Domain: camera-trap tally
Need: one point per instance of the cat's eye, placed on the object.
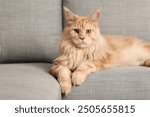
(76, 30)
(88, 31)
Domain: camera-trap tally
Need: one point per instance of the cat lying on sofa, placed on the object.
(83, 50)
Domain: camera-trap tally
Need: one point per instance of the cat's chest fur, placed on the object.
(77, 56)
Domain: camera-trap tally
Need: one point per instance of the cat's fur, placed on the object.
(84, 50)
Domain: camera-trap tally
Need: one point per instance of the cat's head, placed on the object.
(82, 30)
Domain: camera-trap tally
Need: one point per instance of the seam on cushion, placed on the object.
(0, 50)
(62, 5)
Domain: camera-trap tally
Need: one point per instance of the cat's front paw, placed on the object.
(78, 78)
(65, 87)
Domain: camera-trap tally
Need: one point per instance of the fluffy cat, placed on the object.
(84, 50)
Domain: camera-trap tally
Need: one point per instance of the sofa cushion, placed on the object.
(28, 81)
(117, 83)
(29, 30)
(125, 17)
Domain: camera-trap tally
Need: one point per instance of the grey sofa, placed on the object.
(29, 36)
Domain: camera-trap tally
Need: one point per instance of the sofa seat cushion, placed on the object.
(27, 81)
(116, 83)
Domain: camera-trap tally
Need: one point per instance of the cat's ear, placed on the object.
(70, 17)
(96, 15)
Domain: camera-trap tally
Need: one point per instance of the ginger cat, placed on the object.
(84, 50)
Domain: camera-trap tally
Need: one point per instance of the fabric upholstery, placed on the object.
(28, 81)
(118, 83)
(29, 30)
(121, 17)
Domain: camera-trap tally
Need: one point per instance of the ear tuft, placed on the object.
(96, 15)
(69, 15)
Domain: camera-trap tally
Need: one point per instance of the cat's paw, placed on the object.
(65, 87)
(78, 78)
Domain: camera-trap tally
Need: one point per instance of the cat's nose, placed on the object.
(82, 38)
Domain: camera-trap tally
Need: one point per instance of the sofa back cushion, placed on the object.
(29, 30)
(122, 17)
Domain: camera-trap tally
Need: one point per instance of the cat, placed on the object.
(84, 50)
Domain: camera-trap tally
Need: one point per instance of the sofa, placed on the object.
(30, 31)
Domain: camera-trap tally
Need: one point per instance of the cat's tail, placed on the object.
(147, 61)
